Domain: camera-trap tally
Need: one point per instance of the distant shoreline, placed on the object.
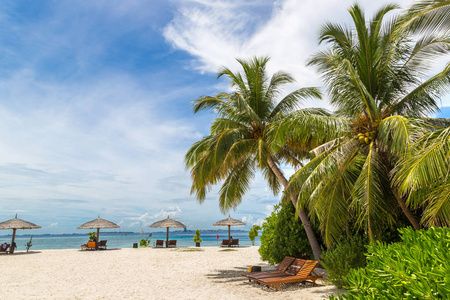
(116, 233)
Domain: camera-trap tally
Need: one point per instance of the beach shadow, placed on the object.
(23, 253)
(323, 290)
(229, 275)
(329, 292)
(102, 250)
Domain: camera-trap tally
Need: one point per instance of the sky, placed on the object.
(95, 101)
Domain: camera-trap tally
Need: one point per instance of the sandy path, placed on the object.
(140, 274)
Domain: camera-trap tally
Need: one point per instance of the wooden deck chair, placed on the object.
(102, 244)
(303, 274)
(282, 267)
(172, 243)
(159, 243)
(225, 243)
(234, 243)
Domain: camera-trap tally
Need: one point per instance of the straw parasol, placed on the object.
(229, 222)
(15, 224)
(168, 223)
(97, 224)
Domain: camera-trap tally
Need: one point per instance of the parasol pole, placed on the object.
(229, 235)
(98, 239)
(11, 249)
(167, 238)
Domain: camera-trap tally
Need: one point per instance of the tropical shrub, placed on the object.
(144, 243)
(282, 235)
(92, 236)
(197, 237)
(416, 268)
(345, 255)
(253, 233)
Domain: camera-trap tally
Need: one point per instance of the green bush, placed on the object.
(144, 243)
(253, 233)
(92, 236)
(197, 237)
(345, 255)
(282, 235)
(416, 268)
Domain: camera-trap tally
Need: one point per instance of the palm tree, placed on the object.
(376, 77)
(241, 137)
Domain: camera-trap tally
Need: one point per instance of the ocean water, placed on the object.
(126, 240)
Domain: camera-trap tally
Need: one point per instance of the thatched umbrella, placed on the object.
(168, 223)
(229, 222)
(97, 224)
(15, 224)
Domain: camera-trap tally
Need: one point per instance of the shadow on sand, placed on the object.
(100, 250)
(22, 253)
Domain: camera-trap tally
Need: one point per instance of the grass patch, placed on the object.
(189, 250)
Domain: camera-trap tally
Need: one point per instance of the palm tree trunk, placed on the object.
(406, 211)
(401, 202)
(317, 251)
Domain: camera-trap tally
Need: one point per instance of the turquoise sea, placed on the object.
(126, 240)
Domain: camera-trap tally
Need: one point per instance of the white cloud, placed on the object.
(250, 220)
(146, 219)
(216, 34)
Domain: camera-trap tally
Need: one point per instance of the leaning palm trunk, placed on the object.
(401, 202)
(317, 251)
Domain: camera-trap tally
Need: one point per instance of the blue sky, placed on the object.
(95, 101)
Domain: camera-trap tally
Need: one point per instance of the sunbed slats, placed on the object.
(299, 270)
(287, 261)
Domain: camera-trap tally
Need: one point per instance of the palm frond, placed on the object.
(236, 184)
(437, 209)
(291, 102)
(370, 199)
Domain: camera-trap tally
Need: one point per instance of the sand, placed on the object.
(144, 273)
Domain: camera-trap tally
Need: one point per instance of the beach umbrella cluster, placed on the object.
(98, 223)
(15, 224)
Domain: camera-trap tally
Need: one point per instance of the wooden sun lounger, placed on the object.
(234, 243)
(225, 243)
(102, 244)
(303, 274)
(292, 270)
(172, 243)
(159, 243)
(282, 267)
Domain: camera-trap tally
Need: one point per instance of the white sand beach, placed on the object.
(143, 273)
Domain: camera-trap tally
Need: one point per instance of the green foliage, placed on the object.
(282, 235)
(253, 233)
(92, 236)
(197, 237)
(240, 140)
(416, 268)
(144, 243)
(345, 255)
(376, 75)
